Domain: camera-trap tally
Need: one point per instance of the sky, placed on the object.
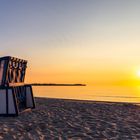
(74, 41)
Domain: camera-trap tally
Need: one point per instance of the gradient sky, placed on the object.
(73, 41)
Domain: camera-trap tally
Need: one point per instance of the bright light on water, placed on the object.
(112, 93)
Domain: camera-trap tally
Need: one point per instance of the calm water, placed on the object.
(114, 93)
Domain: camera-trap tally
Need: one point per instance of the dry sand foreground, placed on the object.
(74, 120)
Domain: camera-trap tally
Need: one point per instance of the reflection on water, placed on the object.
(98, 93)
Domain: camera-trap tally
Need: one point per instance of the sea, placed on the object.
(94, 93)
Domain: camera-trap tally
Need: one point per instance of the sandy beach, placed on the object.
(58, 119)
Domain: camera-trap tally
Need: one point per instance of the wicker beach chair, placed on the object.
(15, 95)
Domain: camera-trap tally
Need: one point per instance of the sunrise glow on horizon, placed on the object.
(82, 41)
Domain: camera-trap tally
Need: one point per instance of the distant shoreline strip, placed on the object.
(36, 84)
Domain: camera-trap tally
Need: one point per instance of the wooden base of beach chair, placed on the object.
(16, 99)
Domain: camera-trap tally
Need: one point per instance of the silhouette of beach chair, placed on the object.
(15, 95)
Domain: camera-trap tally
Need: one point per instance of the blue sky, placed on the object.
(63, 36)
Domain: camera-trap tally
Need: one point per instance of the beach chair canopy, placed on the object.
(12, 70)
